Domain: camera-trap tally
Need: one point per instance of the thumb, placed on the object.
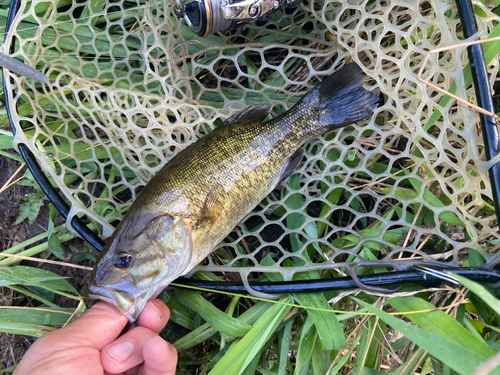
(86, 336)
(100, 325)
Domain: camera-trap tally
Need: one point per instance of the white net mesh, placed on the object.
(409, 184)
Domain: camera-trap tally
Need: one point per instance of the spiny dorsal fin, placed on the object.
(250, 114)
(211, 209)
(293, 164)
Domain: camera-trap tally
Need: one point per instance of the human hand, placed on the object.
(90, 345)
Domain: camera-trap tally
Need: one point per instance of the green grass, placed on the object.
(453, 331)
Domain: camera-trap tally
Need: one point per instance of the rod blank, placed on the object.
(15, 66)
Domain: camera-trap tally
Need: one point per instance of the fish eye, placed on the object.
(122, 259)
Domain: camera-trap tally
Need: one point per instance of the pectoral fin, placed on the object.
(293, 164)
(212, 208)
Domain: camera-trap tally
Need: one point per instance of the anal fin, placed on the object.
(293, 164)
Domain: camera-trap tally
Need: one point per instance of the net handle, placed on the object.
(491, 277)
(482, 89)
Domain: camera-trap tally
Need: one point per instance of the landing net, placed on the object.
(126, 94)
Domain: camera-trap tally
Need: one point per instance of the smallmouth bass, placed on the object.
(200, 195)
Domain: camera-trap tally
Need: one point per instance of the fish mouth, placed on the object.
(125, 297)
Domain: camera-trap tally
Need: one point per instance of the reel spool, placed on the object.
(203, 17)
(206, 17)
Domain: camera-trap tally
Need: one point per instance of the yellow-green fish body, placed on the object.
(200, 195)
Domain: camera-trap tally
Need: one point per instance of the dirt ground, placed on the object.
(13, 347)
(10, 201)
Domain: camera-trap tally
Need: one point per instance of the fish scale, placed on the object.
(200, 195)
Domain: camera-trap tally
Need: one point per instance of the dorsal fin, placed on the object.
(250, 114)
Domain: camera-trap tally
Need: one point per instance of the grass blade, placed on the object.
(200, 334)
(242, 353)
(439, 323)
(328, 326)
(35, 330)
(217, 319)
(40, 316)
(306, 345)
(481, 292)
(458, 356)
(285, 347)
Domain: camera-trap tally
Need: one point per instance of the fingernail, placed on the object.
(103, 306)
(121, 351)
(158, 311)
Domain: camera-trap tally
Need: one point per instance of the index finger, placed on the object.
(154, 316)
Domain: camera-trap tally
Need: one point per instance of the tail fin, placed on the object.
(340, 99)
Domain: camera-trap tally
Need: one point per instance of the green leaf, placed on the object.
(215, 359)
(44, 293)
(51, 226)
(306, 345)
(369, 350)
(15, 157)
(6, 140)
(52, 218)
(33, 316)
(251, 367)
(475, 258)
(30, 209)
(328, 326)
(438, 322)
(285, 346)
(55, 247)
(481, 292)
(455, 354)
(180, 314)
(10, 369)
(427, 368)
(217, 319)
(22, 275)
(320, 361)
(200, 334)
(205, 331)
(447, 216)
(95, 7)
(346, 356)
(243, 352)
(35, 330)
(36, 297)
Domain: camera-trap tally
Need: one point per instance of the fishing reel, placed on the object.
(206, 17)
